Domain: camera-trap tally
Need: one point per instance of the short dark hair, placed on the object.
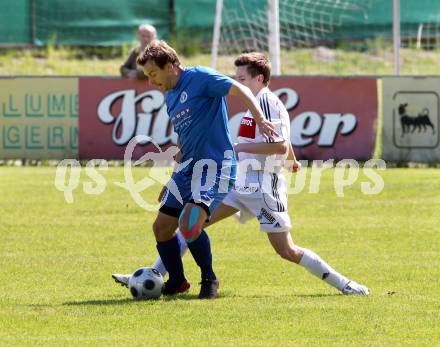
(257, 64)
(159, 52)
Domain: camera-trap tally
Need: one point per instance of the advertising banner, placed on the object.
(38, 118)
(411, 118)
(331, 118)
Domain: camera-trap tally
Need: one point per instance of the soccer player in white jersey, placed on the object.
(260, 190)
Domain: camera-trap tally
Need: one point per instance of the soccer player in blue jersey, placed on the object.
(260, 191)
(197, 107)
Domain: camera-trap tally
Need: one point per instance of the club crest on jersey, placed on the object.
(247, 128)
(183, 97)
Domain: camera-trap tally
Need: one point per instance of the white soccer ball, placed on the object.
(146, 283)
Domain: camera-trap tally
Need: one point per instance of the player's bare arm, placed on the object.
(280, 147)
(292, 164)
(248, 99)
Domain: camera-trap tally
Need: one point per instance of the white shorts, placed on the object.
(268, 205)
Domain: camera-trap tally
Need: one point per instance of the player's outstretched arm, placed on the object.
(247, 98)
(293, 164)
(262, 148)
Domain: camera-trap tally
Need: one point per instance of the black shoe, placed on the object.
(170, 289)
(208, 289)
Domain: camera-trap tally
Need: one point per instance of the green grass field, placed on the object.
(56, 261)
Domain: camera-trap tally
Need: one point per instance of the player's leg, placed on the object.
(321, 269)
(190, 225)
(191, 220)
(164, 229)
(220, 213)
(167, 243)
(230, 205)
(206, 198)
(274, 219)
(169, 250)
(223, 211)
(203, 256)
(158, 264)
(312, 262)
(282, 244)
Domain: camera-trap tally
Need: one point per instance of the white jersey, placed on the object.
(260, 192)
(249, 132)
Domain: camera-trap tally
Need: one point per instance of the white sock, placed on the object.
(314, 264)
(158, 265)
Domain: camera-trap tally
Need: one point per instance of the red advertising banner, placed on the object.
(331, 117)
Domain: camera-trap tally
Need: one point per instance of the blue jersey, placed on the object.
(197, 108)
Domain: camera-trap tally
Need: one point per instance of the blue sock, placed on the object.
(201, 252)
(169, 252)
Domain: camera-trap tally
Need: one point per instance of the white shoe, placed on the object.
(353, 288)
(121, 279)
(237, 217)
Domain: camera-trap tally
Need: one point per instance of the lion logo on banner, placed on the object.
(410, 123)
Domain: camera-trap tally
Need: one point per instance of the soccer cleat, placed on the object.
(208, 289)
(353, 288)
(121, 279)
(169, 289)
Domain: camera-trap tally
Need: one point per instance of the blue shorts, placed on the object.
(204, 189)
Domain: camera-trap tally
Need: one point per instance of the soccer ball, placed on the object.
(146, 283)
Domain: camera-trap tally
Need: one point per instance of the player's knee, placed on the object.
(284, 253)
(290, 254)
(296, 254)
(189, 226)
(156, 229)
(160, 230)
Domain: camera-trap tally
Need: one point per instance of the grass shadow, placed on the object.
(123, 301)
(292, 296)
(316, 295)
(186, 297)
(129, 301)
(180, 297)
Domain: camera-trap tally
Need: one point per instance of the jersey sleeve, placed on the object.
(275, 112)
(214, 84)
